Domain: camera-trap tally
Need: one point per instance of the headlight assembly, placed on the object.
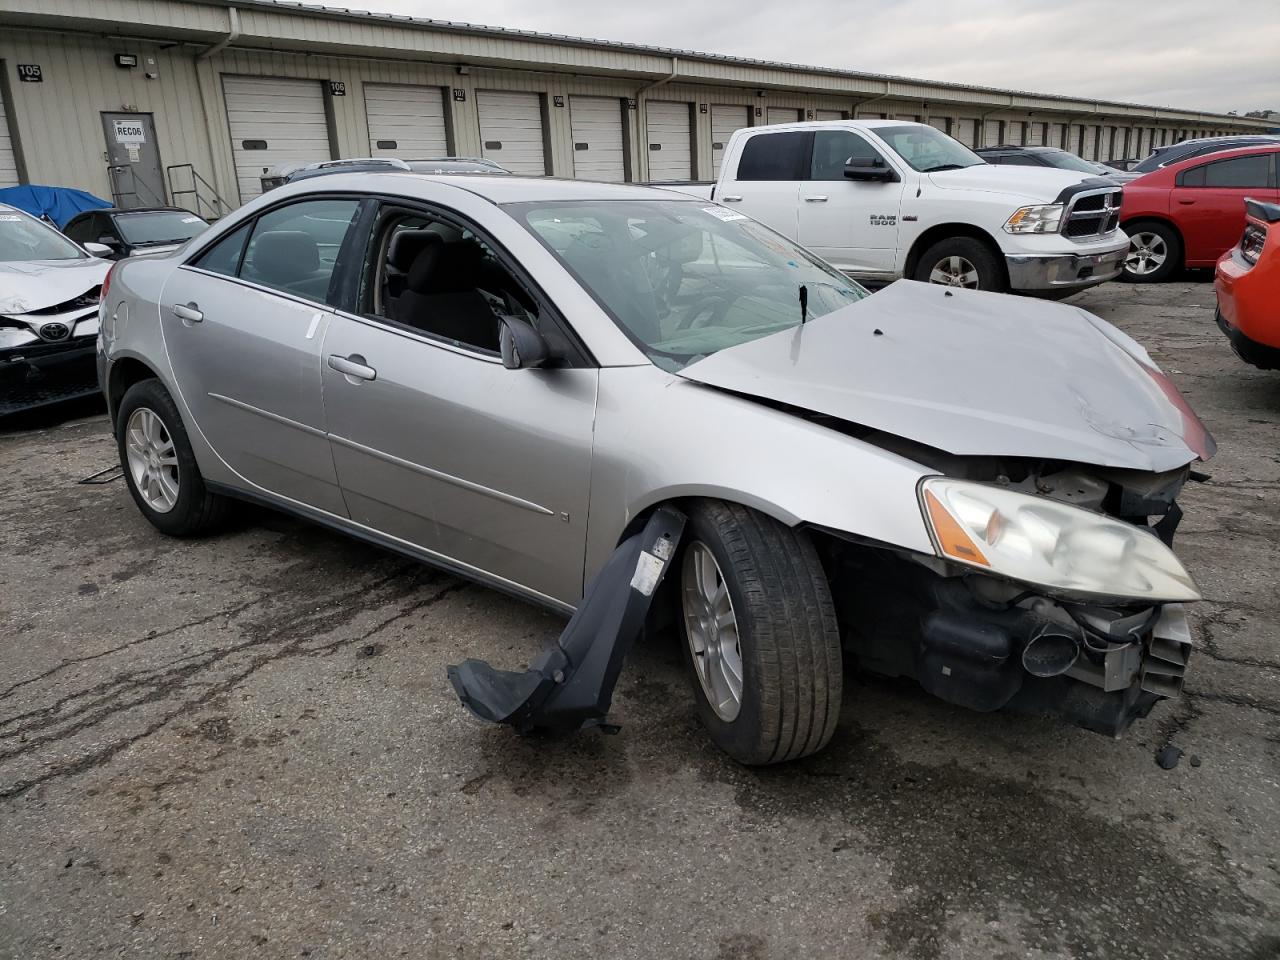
(1039, 219)
(1050, 544)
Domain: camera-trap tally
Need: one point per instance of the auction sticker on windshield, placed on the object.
(723, 214)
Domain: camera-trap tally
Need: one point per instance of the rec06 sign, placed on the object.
(130, 132)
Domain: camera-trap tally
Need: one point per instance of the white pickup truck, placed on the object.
(884, 199)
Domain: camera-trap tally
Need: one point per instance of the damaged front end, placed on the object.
(972, 634)
(46, 354)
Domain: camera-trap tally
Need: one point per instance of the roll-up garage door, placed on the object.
(991, 133)
(8, 162)
(668, 140)
(963, 130)
(406, 122)
(938, 123)
(511, 131)
(828, 115)
(784, 115)
(725, 119)
(272, 122)
(1090, 151)
(598, 152)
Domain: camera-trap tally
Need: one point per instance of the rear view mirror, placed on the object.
(869, 168)
(521, 345)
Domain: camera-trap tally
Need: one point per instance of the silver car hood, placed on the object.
(28, 285)
(973, 373)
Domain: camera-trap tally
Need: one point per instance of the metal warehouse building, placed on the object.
(190, 101)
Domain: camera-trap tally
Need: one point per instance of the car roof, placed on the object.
(517, 189)
(1187, 162)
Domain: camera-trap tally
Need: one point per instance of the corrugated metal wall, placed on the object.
(61, 128)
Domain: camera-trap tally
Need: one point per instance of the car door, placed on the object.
(435, 442)
(766, 178)
(243, 323)
(851, 223)
(1208, 202)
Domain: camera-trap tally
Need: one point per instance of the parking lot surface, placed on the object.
(246, 746)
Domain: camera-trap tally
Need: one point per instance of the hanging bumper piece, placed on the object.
(571, 685)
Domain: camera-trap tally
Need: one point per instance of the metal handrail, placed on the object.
(217, 206)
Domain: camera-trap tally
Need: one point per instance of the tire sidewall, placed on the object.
(740, 737)
(990, 275)
(1172, 243)
(150, 394)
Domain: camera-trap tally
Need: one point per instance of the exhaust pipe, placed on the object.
(1050, 652)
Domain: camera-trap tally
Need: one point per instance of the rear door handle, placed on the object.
(1186, 203)
(188, 312)
(731, 199)
(815, 199)
(352, 366)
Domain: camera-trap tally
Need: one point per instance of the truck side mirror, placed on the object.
(521, 345)
(869, 168)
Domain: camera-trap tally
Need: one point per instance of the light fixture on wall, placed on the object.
(126, 61)
(462, 69)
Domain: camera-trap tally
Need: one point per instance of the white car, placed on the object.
(49, 290)
(885, 199)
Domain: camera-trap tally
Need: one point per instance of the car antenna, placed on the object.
(804, 304)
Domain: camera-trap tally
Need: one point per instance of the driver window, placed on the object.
(440, 279)
(832, 149)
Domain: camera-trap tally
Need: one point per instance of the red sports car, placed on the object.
(1188, 213)
(1248, 285)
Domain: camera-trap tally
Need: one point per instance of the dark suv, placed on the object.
(1163, 156)
(1041, 157)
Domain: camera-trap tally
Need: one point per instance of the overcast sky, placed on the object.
(1182, 53)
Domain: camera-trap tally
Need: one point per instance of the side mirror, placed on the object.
(869, 168)
(521, 345)
(100, 249)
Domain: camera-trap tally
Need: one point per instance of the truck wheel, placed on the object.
(761, 639)
(1155, 252)
(160, 466)
(962, 262)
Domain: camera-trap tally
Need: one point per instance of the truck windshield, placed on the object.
(926, 149)
(26, 238)
(686, 279)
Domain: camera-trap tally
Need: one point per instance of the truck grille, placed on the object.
(1092, 215)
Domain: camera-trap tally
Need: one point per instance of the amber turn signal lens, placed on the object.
(952, 539)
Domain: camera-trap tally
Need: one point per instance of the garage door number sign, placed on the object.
(130, 133)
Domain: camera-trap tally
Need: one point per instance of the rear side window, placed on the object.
(776, 156)
(224, 256)
(1239, 172)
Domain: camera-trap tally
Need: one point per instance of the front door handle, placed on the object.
(731, 199)
(1186, 203)
(815, 199)
(188, 312)
(352, 366)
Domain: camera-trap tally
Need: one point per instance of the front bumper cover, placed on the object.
(1067, 271)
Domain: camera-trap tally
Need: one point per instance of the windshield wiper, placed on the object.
(947, 166)
(804, 304)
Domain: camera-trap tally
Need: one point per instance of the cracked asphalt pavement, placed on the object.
(246, 746)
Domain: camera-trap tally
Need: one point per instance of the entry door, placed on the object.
(133, 160)
(447, 449)
(511, 131)
(725, 119)
(598, 152)
(245, 348)
(851, 223)
(669, 138)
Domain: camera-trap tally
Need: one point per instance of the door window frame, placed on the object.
(1180, 180)
(578, 355)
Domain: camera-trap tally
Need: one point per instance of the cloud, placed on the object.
(1177, 53)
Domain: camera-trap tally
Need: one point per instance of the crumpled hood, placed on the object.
(1042, 184)
(35, 284)
(974, 373)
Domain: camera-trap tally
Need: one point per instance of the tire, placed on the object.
(960, 258)
(1158, 240)
(787, 638)
(149, 420)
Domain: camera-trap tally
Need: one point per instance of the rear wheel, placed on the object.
(1155, 252)
(760, 632)
(961, 262)
(159, 465)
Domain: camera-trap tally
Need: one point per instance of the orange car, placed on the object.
(1248, 286)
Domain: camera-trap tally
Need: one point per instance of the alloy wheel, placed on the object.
(954, 271)
(153, 460)
(712, 631)
(1147, 254)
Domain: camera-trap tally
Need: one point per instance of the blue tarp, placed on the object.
(59, 204)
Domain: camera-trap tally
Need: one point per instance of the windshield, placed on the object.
(1065, 160)
(683, 279)
(158, 226)
(26, 238)
(926, 149)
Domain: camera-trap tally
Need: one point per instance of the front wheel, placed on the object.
(760, 632)
(961, 262)
(160, 466)
(1155, 252)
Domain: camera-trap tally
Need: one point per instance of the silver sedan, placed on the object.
(506, 376)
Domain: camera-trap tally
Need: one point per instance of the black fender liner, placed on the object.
(571, 685)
